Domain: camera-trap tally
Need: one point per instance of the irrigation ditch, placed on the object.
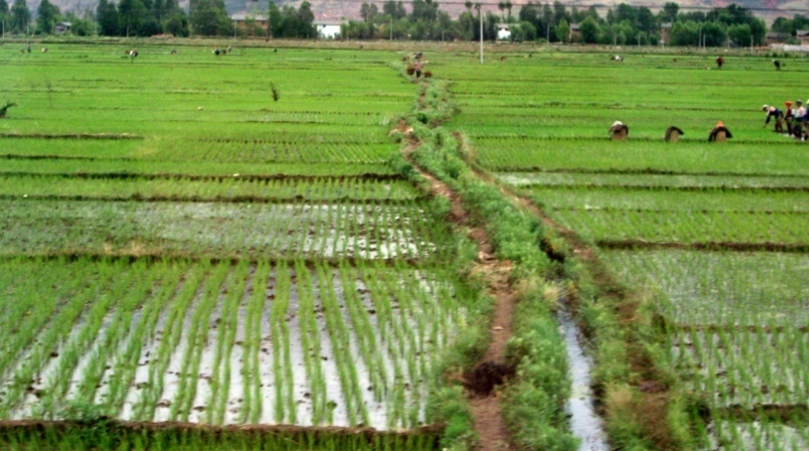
(513, 399)
(629, 401)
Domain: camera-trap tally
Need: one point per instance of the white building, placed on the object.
(328, 29)
(503, 32)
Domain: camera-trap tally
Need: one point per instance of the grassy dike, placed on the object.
(533, 400)
(641, 401)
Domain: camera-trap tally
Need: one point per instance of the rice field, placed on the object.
(716, 233)
(179, 246)
(224, 343)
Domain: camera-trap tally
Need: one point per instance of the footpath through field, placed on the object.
(491, 368)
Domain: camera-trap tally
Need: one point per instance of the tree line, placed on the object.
(554, 22)
(153, 17)
(733, 25)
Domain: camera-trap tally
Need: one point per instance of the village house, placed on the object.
(329, 29)
(665, 32)
(243, 21)
(575, 33)
(802, 36)
(774, 37)
(503, 32)
(61, 27)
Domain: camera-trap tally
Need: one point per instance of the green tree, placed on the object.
(562, 31)
(208, 18)
(740, 34)
(306, 26)
(131, 13)
(670, 10)
(424, 10)
(176, 24)
(589, 30)
(524, 31)
(47, 16)
(394, 9)
(714, 34)
(684, 33)
(274, 21)
(368, 12)
(107, 16)
(20, 16)
(4, 15)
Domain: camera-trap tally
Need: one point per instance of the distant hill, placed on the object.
(335, 10)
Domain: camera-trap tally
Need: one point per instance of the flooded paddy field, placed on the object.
(219, 344)
(738, 335)
(211, 229)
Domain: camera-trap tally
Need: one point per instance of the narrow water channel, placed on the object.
(584, 422)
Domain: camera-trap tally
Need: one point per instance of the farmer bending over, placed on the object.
(773, 112)
(418, 66)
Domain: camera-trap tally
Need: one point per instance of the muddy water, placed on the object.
(265, 361)
(173, 374)
(47, 375)
(584, 422)
(376, 409)
(395, 379)
(151, 344)
(300, 383)
(235, 396)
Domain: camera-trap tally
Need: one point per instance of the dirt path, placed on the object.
(490, 369)
(652, 393)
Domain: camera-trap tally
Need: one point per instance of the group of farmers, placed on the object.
(791, 120)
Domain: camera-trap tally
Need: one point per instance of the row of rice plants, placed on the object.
(158, 341)
(21, 321)
(759, 435)
(298, 151)
(60, 339)
(57, 165)
(743, 367)
(686, 227)
(123, 371)
(737, 335)
(207, 95)
(344, 229)
(81, 362)
(285, 408)
(251, 339)
(721, 288)
(195, 341)
(737, 158)
(276, 189)
(652, 181)
(111, 435)
(585, 197)
(173, 328)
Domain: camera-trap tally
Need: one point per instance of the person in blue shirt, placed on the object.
(773, 112)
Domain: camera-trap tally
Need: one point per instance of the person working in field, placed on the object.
(418, 67)
(719, 133)
(788, 116)
(798, 119)
(773, 112)
(719, 62)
